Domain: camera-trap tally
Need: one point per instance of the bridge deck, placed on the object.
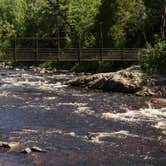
(69, 54)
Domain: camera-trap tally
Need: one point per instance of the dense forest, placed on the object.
(97, 23)
(127, 23)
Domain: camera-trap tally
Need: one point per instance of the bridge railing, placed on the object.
(69, 54)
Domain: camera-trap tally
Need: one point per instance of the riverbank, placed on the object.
(130, 80)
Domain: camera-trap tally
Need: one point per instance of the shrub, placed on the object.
(154, 58)
(100, 66)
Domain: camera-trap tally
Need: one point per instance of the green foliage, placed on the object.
(82, 17)
(100, 66)
(121, 23)
(12, 20)
(58, 65)
(44, 17)
(154, 9)
(93, 67)
(154, 58)
(12, 13)
(85, 67)
(120, 19)
(126, 23)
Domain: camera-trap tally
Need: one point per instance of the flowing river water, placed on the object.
(77, 127)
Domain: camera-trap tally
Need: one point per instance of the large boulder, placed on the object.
(128, 80)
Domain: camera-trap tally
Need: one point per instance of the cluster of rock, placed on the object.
(130, 80)
(32, 149)
(36, 69)
(16, 145)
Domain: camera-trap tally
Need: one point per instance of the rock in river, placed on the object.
(26, 151)
(37, 149)
(33, 149)
(9, 145)
(128, 80)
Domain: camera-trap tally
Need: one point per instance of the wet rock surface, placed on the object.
(9, 145)
(77, 126)
(130, 80)
(26, 151)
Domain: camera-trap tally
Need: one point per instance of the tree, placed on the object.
(119, 20)
(154, 10)
(12, 16)
(81, 16)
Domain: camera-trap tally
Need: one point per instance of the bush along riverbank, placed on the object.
(129, 80)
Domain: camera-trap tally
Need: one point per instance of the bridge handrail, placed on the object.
(128, 54)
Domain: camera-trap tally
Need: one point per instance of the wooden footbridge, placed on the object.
(18, 52)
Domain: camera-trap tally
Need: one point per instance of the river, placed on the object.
(76, 127)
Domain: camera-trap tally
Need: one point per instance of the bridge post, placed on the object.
(59, 45)
(101, 54)
(37, 48)
(122, 54)
(101, 40)
(79, 54)
(139, 54)
(163, 27)
(79, 49)
(14, 49)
